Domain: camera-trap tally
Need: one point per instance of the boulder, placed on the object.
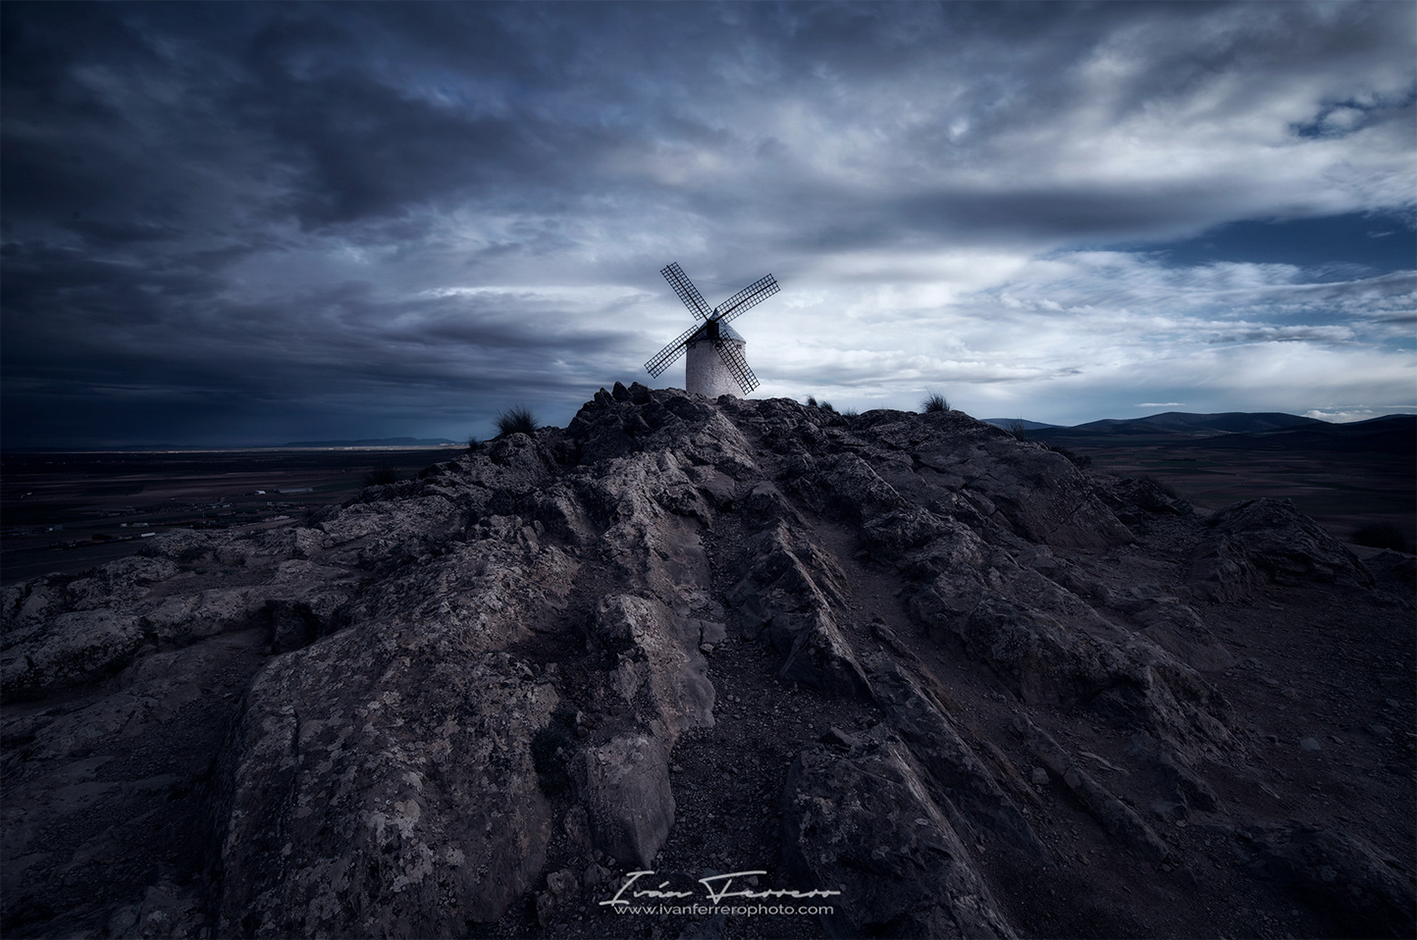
(624, 785)
(372, 793)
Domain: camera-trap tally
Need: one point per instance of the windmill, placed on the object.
(715, 364)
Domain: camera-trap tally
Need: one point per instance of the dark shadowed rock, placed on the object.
(965, 788)
(862, 824)
(1359, 892)
(791, 597)
(1136, 498)
(75, 646)
(1119, 819)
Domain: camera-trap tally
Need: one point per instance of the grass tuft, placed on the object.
(518, 419)
(381, 475)
(1081, 461)
(934, 401)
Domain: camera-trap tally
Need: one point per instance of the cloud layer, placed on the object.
(233, 223)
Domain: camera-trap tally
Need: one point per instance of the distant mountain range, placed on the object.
(1395, 434)
(1180, 422)
(1009, 424)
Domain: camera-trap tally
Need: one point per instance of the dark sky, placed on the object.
(231, 223)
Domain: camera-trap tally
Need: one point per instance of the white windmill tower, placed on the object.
(715, 365)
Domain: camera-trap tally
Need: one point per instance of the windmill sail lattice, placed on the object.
(714, 329)
(686, 290)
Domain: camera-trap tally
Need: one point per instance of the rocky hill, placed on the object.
(935, 680)
(1390, 434)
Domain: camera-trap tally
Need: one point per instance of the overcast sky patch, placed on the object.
(247, 223)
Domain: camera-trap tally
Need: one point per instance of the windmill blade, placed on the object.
(686, 290)
(750, 296)
(662, 359)
(732, 355)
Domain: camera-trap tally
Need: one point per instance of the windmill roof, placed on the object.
(725, 331)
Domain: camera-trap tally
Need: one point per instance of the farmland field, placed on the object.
(65, 512)
(1342, 490)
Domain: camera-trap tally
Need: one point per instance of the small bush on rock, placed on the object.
(381, 475)
(934, 402)
(1081, 461)
(516, 420)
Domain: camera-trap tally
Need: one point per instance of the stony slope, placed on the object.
(903, 657)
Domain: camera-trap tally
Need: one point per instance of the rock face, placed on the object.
(863, 821)
(892, 664)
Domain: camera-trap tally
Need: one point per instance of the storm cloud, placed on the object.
(230, 223)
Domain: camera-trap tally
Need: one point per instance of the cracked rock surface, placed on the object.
(935, 680)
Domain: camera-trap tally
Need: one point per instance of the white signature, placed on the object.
(716, 888)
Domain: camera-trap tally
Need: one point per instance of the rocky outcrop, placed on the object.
(788, 598)
(967, 790)
(861, 823)
(1269, 539)
(955, 660)
(381, 794)
(1119, 819)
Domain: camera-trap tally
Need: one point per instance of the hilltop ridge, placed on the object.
(904, 658)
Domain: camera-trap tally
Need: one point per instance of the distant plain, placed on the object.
(66, 512)
(1346, 477)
